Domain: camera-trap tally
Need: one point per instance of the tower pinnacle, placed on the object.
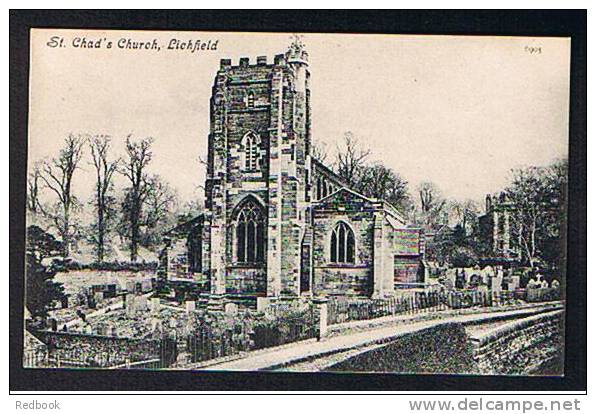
(297, 51)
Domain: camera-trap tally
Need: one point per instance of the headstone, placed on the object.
(102, 330)
(98, 297)
(449, 284)
(156, 325)
(483, 289)
(130, 304)
(460, 279)
(487, 274)
(514, 283)
(450, 278)
(496, 283)
(155, 305)
(146, 285)
(128, 300)
(190, 305)
(141, 303)
(263, 304)
(231, 308)
(130, 286)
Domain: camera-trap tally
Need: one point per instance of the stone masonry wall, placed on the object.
(521, 347)
(271, 100)
(348, 279)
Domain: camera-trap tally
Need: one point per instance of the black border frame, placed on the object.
(565, 23)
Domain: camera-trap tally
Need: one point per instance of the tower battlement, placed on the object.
(245, 62)
(296, 53)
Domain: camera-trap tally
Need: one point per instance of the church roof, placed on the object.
(346, 189)
(386, 207)
(390, 208)
(330, 172)
(186, 226)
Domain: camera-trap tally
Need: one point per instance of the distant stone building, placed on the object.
(277, 221)
(497, 228)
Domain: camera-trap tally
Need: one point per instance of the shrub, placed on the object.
(464, 257)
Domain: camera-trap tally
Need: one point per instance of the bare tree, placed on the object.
(33, 188)
(351, 159)
(432, 204)
(463, 213)
(103, 200)
(138, 156)
(537, 195)
(57, 175)
(160, 202)
(381, 182)
(319, 151)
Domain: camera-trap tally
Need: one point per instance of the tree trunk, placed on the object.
(66, 233)
(134, 236)
(100, 235)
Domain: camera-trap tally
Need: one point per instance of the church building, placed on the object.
(277, 221)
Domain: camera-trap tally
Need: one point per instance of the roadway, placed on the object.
(356, 336)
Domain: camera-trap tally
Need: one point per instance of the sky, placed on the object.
(458, 111)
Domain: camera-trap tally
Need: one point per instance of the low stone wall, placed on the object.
(522, 347)
(531, 345)
(441, 349)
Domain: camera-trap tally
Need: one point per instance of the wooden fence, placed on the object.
(342, 310)
(65, 349)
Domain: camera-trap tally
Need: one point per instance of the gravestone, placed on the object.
(142, 304)
(190, 305)
(514, 283)
(130, 286)
(98, 297)
(155, 305)
(231, 308)
(263, 304)
(146, 285)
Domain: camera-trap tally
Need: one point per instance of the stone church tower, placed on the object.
(277, 221)
(257, 174)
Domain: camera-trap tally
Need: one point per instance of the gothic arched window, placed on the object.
(250, 233)
(342, 244)
(195, 251)
(251, 143)
(501, 225)
(319, 190)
